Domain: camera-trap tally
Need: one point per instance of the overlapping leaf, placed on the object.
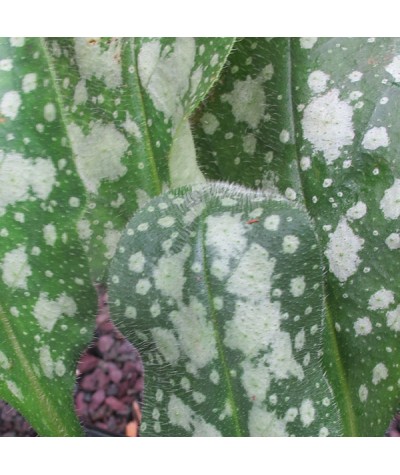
(318, 120)
(126, 103)
(47, 302)
(224, 302)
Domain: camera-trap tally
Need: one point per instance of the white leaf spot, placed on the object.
(74, 202)
(4, 361)
(179, 414)
(363, 393)
(375, 138)
(196, 335)
(390, 203)
(103, 64)
(167, 344)
(290, 244)
(393, 319)
(110, 240)
(379, 373)
(307, 412)
(17, 42)
(252, 277)
(80, 94)
(166, 76)
(308, 42)
(299, 340)
(19, 217)
(214, 376)
(10, 104)
(357, 211)
(198, 397)
(327, 124)
(16, 268)
(271, 222)
(50, 112)
(363, 326)
(284, 136)
(394, 68)
(143, 286)
(226, 235)
(6, 64)
(297, 286)
(50, 234)
(47, 312)
(169, 276)
(136, 262)
(42, 177)
(265, 424)
(84, 230)
(130, 312)
(381, 299)
(16, 391)
(290, 194)
(18, 175)
(98, 154)
(166, 221)
(248, 99)
(342, 251)
(317, 81)
(355, 76)
(29, 82)
(249, 144)
(209, 123)
(131, 127)
(305, 163)
(255, 380)
(393, 241)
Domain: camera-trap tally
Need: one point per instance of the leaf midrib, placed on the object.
(148, 144)
(217, 333)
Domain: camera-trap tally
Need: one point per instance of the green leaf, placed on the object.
(126, 102)
(322, 129)
(224, 302)
(244, 132)
(47, 302)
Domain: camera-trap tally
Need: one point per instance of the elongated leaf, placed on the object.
(126, 102)
(224, 301)
(47, 302)
(323, 127)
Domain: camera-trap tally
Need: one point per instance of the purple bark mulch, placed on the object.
(109, 380)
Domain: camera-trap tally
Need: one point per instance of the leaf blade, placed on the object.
(125, 100)
(340, 160)
(202, 304)
(45, 303)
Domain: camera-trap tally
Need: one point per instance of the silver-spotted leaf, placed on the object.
(47, 301)
(220, 288)
(325, 132)
(126, 101)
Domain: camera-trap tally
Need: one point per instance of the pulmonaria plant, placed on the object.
(241, 199)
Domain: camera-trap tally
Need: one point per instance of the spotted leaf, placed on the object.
(126, 104)
(224, 301)
(47, 301)
(317, 119)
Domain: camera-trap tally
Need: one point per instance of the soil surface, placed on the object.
(108, 390)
